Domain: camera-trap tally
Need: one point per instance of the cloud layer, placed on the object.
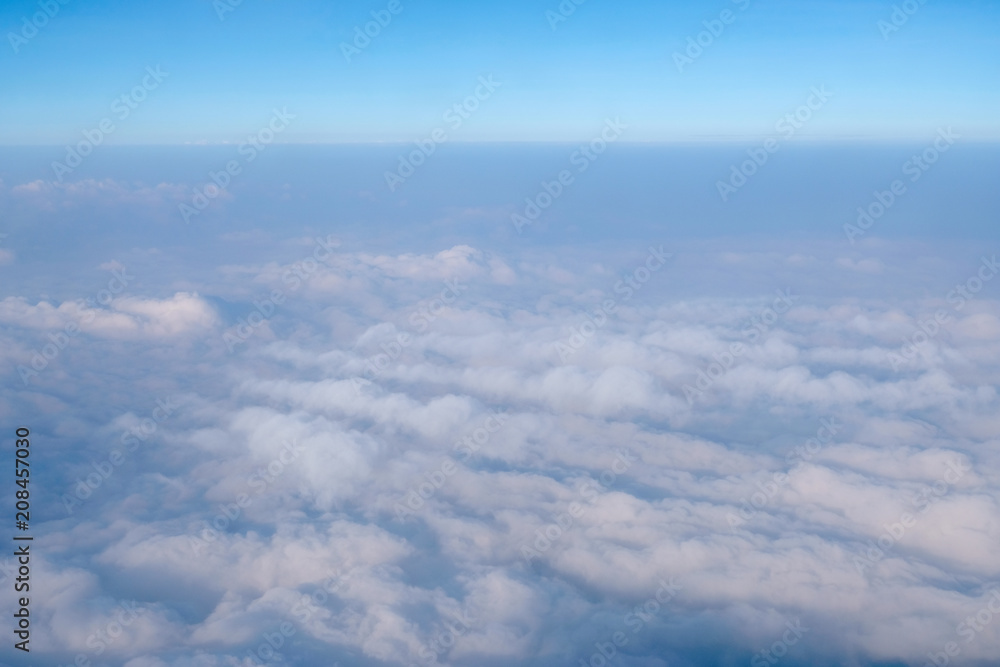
(473, 457)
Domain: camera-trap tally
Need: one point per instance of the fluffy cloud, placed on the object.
(392, 477)
(125, 317)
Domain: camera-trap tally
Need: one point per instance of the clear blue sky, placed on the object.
(608, 59)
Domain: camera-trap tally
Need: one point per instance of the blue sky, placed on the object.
(606, 59)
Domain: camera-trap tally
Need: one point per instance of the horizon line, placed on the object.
(527, 142)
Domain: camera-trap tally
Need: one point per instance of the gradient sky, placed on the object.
(607, 59)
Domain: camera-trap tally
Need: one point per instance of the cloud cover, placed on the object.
(482, 457)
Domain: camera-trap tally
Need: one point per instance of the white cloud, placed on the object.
(222, 531)
(125, 317)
